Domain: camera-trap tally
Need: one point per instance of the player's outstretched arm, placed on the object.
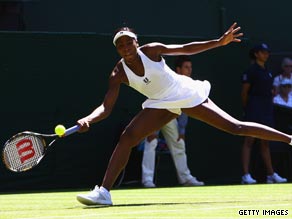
(105, 109)
(231, 35)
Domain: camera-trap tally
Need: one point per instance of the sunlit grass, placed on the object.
(177, 202)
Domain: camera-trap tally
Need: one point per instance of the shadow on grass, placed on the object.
(152, 204)
(133, 205)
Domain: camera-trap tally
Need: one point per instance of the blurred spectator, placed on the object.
(286, 74)
(283, 98)
(11, 16)
(257, 100)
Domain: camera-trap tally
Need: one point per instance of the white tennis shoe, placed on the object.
(275, 178)
(247, 179)
(193, 182)
(149, 184)
(95, 197)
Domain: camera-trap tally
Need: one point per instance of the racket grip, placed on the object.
(72, 130)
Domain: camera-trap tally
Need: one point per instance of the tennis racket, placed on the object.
(25, 150)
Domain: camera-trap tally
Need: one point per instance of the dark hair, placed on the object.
(257, 48)
(125, 29)
(180, 60)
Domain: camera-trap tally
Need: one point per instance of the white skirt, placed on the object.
(186, 93)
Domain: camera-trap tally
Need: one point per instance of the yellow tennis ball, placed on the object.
(60, 130)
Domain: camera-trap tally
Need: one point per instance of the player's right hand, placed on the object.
(84, 124)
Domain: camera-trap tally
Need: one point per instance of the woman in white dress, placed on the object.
(169, 94)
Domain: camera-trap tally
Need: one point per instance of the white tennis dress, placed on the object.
(164, 88)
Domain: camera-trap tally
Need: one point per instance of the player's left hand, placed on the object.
(231, 35)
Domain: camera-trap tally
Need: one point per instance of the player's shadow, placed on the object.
(136, 205)
(150, 204)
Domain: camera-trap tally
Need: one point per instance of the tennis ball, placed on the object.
(60, 130)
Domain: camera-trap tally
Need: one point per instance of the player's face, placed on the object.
(127, 47)
(185, 69)
(262, 55)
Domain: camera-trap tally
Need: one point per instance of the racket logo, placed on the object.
(25, 149)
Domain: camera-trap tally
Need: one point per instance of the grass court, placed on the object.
(177, 202)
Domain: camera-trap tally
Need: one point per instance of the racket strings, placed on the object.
(23, 152)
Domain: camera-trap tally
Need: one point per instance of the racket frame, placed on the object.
(41, 137)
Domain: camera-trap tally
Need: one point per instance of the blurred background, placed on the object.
(56, 57)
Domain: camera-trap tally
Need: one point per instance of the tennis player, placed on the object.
(169, 94)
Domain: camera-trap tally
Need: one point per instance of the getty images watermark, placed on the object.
(278, 212)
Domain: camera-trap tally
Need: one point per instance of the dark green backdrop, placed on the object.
(50, 78)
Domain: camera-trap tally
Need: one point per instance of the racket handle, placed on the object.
(72, 130)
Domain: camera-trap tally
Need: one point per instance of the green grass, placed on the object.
(177, 202)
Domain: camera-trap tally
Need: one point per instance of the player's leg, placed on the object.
(145, 123)
(211, 114)
(148, 160)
